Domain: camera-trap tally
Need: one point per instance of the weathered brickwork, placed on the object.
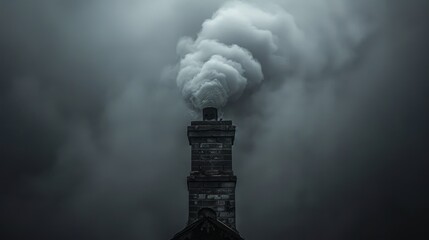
(211, 183)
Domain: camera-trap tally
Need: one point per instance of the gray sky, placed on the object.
(93, 126)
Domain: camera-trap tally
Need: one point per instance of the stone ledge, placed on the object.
(212, 178)
(226, 122)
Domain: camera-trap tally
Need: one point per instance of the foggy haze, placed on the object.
(331, 116)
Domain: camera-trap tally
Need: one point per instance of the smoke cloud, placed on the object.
(244, 44)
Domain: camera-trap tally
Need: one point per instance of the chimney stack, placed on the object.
(211, 182)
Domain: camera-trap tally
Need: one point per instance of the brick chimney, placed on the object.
(211, 183)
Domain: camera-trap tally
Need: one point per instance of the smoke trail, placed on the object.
(243, 44)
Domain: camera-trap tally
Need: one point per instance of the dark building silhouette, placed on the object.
(211, 183)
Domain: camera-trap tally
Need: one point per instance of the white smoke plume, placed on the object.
(244, 44)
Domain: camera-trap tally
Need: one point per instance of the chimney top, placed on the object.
(210, 114)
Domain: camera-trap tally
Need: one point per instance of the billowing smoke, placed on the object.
(244, 44)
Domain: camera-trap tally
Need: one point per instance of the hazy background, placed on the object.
(93, 127)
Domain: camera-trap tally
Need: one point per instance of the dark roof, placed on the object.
(207, 228)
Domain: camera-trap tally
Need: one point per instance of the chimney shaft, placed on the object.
(209, 114)
(212, 182)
